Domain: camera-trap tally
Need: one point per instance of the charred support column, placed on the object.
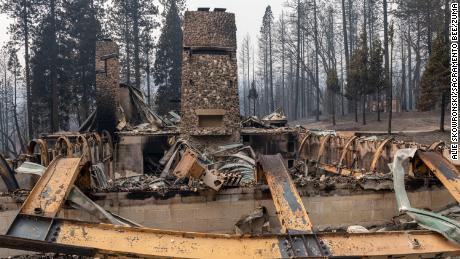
(209, 94)
(107, 83)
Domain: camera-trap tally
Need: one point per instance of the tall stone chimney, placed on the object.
(209, 93)
(107, 85)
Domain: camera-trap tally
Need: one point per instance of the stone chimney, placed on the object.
(209, 93)
(107, 84)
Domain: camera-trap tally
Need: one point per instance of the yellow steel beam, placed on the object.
(445, 171)
(289, 207)
(147, 242)
(388, 244)
(92, 239)
(50, 192)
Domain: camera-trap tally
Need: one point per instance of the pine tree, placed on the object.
(128, 20)
(83, 30)
(333, 88)
(14, 67)
(40, 78)
(436, 78)
(63, 72)
(357, 87)
(168, 62)
(387, 65)
(120, 26)
(376, 71)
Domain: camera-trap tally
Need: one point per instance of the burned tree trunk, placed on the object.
(316, 61)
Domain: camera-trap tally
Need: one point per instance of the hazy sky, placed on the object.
(248, 14)
(3, 28)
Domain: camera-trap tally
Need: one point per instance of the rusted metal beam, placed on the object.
(188, 166)
(97, 240)
(378, 154)
(98, 154)
(389, 244)
(43, 150)
(83, 146)
(338, 170)
(47, 234)
(62, 142)
(322, 148)
(345, 150)
(436, 145)
(65, 236)
(289, 207)
(48, 195)
(302, 143)
(445, 171)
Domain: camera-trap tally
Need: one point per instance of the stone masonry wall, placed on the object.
(209, 78)
(107, 84)
(209, 29)
(206, 86)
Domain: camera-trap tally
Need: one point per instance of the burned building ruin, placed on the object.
(204, 184)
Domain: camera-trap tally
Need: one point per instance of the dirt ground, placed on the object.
(422, 127)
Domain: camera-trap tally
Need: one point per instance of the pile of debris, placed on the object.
(134, 114)
(314, 182)
(186, 168)
(402, 222)
(141, 183)
(271, 121)
(277, 119)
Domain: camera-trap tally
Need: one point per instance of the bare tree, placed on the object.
(387, 64)
(14, 68)
(316, 60)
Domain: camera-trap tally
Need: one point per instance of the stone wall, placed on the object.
(209, 93)
(209, 29)
(107, 84)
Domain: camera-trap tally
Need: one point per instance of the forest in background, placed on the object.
(48, 66)
(347, 56)
(318, 58)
